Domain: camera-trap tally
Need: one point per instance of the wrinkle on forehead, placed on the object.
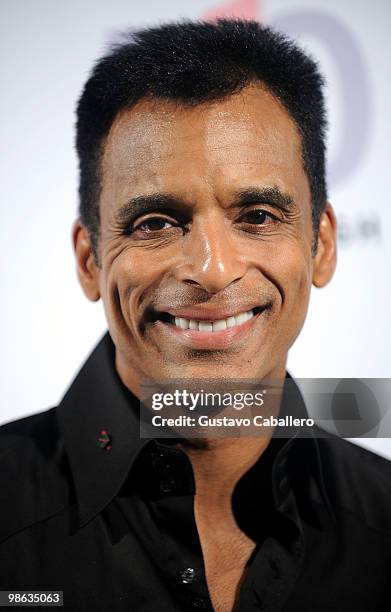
(202, 152)
(156, 129)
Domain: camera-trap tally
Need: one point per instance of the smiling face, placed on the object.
(206, 239)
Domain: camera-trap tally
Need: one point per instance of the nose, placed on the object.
(210, 258)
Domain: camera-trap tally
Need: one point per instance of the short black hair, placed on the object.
(193, 62)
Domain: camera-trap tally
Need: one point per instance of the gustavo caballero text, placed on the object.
(224, 421)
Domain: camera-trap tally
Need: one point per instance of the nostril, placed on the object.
(190, 281)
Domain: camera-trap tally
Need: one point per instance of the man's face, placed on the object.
(205, 215)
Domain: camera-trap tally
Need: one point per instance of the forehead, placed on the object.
(159, 144)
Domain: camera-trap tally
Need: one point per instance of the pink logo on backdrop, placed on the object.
(245, 9)
(349, 65)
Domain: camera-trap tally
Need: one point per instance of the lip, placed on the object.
(209, 314)
(209, 340)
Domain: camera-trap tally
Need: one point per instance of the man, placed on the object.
(203, 223)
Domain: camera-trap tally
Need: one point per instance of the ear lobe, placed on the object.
(326, 256)
(87, 270)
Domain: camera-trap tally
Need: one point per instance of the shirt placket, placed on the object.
(181, 549)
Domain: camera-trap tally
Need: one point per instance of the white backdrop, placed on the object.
(47, 49)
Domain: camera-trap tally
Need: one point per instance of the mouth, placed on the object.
(212, 325)
(206, 331)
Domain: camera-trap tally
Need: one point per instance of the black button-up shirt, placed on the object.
(89, 508)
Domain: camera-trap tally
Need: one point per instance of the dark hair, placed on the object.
(194, 62)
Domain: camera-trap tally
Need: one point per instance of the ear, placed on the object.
(326, 254)
(87, 270)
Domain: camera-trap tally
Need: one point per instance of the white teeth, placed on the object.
(205, 326)
(216, 325)
(219, 325)
(182, 323)
(231, 322)
(241, 318)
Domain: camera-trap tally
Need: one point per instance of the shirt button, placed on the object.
(199, 603)
(187, 575)
(166, 486)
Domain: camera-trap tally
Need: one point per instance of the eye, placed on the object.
(152, 225)
(259, 216)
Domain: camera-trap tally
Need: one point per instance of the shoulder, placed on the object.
(357, 481)
(34, 474)
(26, 428)
(28, 441)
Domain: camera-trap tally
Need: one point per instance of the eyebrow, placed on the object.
(265, 195)
(140, 205)
(143, 204)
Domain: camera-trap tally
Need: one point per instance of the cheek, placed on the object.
(127, 278)
(292, 265)
(297, 299)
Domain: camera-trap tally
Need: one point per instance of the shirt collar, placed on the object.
(97, 402)
(298, 464)
(99, 420)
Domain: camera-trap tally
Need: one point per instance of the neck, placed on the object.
(219, 463)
